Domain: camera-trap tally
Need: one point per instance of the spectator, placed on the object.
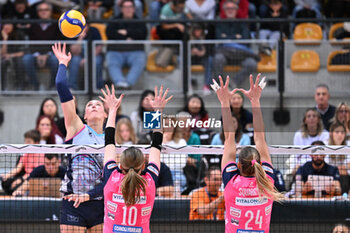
(207, 203)
(242, 11)
(132, 55)
(137, 116)
(50, 169)
(78, 58)
(341, 228)
(49, 108)
(233, 53)
(11, 58)
(271, 31)
(337, 9)
(195, 168)
(318, 167)
(337, 137)
(196, 108)
(27, 162)
(322, 105)
(307, 9)
(40, 56)
(200, 9)
(18, 10)
(172, 136)
(125, 134)
(245, 116)
(165, 184)
(201, 54)
(155, 7)
(311, 129)
(96, 8)
(172, 11)
(48, 133)
(64, 5)
(138, 8)
(241, 138)
(342, 115)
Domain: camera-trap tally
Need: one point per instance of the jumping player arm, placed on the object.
(158, 105)
(254, 95)
(71, 119)
(113, 104)
(224, 96)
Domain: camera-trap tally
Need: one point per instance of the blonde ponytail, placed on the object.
(132, 186)
(249, 159)
(265, 186)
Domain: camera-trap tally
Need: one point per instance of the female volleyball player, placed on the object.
(129, 193)
(82, 205)
(249, 186)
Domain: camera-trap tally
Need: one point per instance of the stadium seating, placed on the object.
(333, 28)
(305, 61)
(268, 64)
(337, 68)
(152, 67)
(101, 28)
(308, 32)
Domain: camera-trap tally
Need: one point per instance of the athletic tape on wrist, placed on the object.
(157, 140)
(109, 136)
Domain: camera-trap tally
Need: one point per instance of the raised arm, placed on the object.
(71, 119)
(224, 96)
(113, 104)
(254, 95)
(158, 105)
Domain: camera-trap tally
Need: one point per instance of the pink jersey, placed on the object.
(245, 212)
(118, 217)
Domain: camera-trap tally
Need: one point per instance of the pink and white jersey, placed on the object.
(245, 212)
(118, 217)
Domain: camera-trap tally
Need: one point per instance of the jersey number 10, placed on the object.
(132, 216)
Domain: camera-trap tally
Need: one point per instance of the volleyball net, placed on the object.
(314, 180)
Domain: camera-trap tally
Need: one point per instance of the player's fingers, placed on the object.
(227, 81)
(121, 97)
(107, 89)
(103, 100)
(251, 81)
(161, 91)
(221, 81)
(113, 90)
(257, 80)
(104, 93)
(64, 48)
(169, 99)
(165, 93)
(155, 91)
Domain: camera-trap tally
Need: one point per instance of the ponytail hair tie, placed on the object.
(253, 162)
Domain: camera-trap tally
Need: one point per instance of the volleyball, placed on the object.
(72, 23)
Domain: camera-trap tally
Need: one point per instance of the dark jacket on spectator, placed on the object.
(135, 31)
(276, 26)
(231, 30)
(36, 32)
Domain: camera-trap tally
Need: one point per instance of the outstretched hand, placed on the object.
(60, 53)
(112, 102)
(254, 92)
(159, 101)
(223, 93)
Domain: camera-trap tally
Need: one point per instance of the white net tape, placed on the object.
(200, 149)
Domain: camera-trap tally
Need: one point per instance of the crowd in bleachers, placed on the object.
(24, 61)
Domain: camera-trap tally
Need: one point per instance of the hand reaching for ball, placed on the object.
(60, 53)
